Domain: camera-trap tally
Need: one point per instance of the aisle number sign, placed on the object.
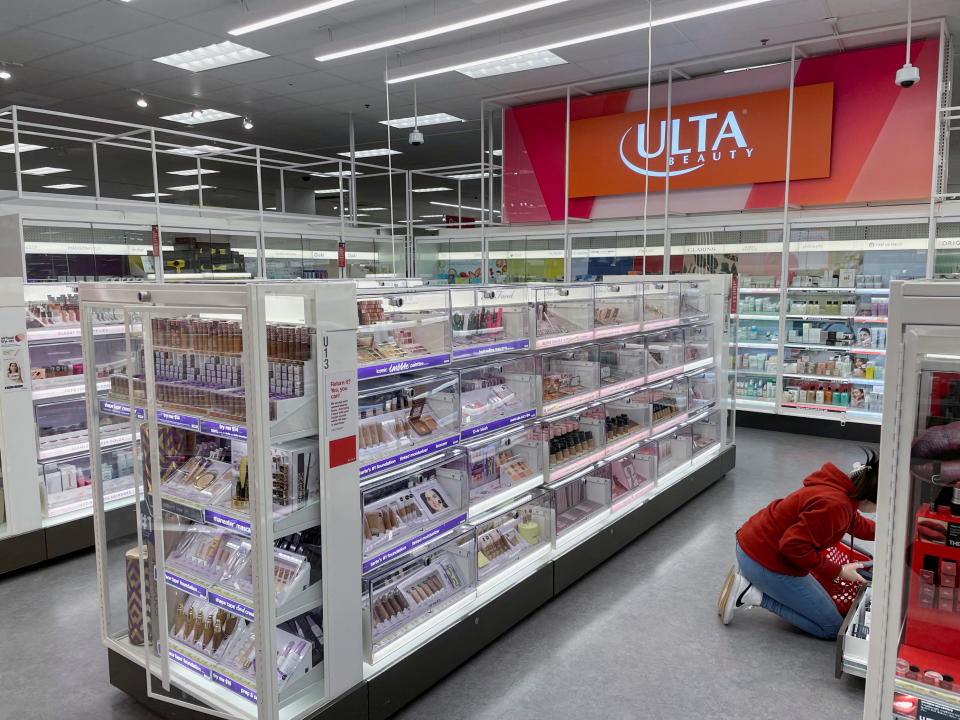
(730, 141)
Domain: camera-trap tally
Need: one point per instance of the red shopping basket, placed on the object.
(842, 592)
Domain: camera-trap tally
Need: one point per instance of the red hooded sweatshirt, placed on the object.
(789, 536)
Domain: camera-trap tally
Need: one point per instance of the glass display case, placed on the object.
(510, 536)
(411, 505)
(563, 314)
(404, 418)
(498, 467)
(489, 320)
(628, 420)
(694, 302)
(66, 484)
(703, 390)
(406, 594)
(572, 441)
(569, 377)
(705, 432)
(661, 304)
(62, 428)
(402, 331)
(669, 402)
(497, 395)
(633, 474)
(665, 354)
(673, 450)
(698, 350)
(623, 365)
(618, 309)
(579, 499)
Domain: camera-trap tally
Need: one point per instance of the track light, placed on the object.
(196, 113)
(247, 123)
(4, 73)
(142, 102)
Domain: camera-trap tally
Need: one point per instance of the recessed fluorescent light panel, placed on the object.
(24, 147)
(288, 16)
(184, 188)
(330, 191)
(375, 152)
(151, 195)
(198, 150)
(422, 120)
(517, 63)
(44, 171)
(371, 209)
(64, 186)
(199, 117)
(577, 40)
(470, 176)
(341, 173)
(201, 171)
(211, 57)
(430, 189)
(433, 216)
(443, 29)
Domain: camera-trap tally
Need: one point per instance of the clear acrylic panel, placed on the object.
(569, 377)
(618, 308)
(580, 498)
(661, 304)
(499, 467)
(510, 536)
(623, 365)
(665, 351)
(497, 395)
(489, 320)
(675, 449)
(563, 315)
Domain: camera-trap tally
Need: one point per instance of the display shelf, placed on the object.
(870, 319)
(756, 404)
(72, 331)
(757, 345)
(819, 317)
(758, 291)
(836, 379)
(81, 447)
(62, 391)
(753, 373)
(755, 316)
(838, 348)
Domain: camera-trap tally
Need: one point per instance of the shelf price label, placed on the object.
(187, 422)
(929, 710)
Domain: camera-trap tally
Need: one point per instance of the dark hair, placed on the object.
(866, 477)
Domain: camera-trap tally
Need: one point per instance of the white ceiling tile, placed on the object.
(187, 85)
(27, 13)
(181, 9)
(136, 74)
(98, 21)
(159, 40)
(82, 60)
(257, 70)
(74, 88)
(26, 45)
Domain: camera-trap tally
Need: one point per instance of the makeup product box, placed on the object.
(847, 278)
(295, 468)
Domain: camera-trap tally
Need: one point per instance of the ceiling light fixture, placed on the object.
(288, 16)
(64, 186)
(371, 209)
(24, 147)
(151, 195)
(198, 150)
(185, 188)
(462, 207)
(198, 116)
(431, 189)
(142, 102)
(5, 74)
(211, 57)
(193, 171)
(442, 29)
(44, 171)
(340, 173)
(433, 216)
(330, 191)
(756, 67)
(375, 152)
(470, 176)
(518, 63)
(418, 120)
(612, 32)
(247, 123)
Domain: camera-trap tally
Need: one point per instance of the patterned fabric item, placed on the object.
(134, 599)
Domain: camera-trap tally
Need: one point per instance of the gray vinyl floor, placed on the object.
(636, 639)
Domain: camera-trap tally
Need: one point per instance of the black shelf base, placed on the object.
(388, 692)
(858, 432)
(39, 546)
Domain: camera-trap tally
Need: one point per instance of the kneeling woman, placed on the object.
(780, 546)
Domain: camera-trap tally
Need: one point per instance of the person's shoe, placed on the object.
(736, 592)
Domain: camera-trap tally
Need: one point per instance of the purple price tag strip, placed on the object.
(491, 349)
(225, 521)
(115, 408)
(232, 685)
(231, 606)
(224, 430)
(188, 663)
(186, 585)
(407, 456)
(496, 424)
(412, 543)
(401, 366)
(187, 422)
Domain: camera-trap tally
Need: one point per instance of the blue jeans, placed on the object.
(801, 601)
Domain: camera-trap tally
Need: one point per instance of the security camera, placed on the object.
(416, 138)
(908, 76)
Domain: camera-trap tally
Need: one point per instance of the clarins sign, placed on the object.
(732, 141)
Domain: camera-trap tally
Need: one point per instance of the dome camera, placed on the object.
(416, 138)
(908, 76)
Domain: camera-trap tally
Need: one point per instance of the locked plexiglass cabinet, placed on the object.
(241, 404)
